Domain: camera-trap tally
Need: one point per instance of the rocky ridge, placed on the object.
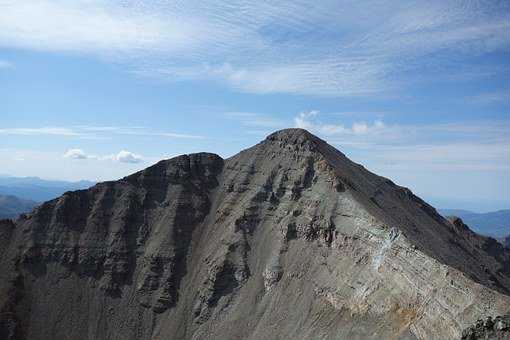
(287, 239)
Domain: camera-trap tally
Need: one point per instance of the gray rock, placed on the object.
(286, 240)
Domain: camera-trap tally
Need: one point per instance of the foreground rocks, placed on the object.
(495, 329)
(287, 239)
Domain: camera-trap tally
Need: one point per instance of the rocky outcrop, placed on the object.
(287, 239)
(493, 329)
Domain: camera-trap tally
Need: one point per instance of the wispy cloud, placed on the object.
(94, 132)
(332, 48)
(51, 131)
(161, 134)
(137, 131)
(108, 128)
(91, 27)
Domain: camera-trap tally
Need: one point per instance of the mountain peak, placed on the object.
(298, 141)
(292, 136)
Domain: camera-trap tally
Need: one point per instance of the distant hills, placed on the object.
(21, 194)
(37, 189)
(12, 206)
(495, 224)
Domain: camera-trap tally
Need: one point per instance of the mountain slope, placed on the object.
(12, 206)
(287, 239)
(495, 223)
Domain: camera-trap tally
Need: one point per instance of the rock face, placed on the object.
(286, 240)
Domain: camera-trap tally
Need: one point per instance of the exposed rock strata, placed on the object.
(287, 239)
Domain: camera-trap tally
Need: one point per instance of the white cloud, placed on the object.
(303, 119)
(331, 48)
(309, 120)
(52, 165)
(75, 154)
(128, 157)
(447, 147)
(123, 156)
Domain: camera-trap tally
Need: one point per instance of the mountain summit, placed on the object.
(288, 239)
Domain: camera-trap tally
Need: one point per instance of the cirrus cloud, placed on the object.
(331, 48)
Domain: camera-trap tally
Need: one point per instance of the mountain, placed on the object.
(12, 206)
(288, 239)
(495, 224)
(36, 189)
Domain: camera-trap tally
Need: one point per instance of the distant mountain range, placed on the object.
(495, 224)
(37, 189)
(21, 194)
(12, 206)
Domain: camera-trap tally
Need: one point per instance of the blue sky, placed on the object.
(416, 91)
